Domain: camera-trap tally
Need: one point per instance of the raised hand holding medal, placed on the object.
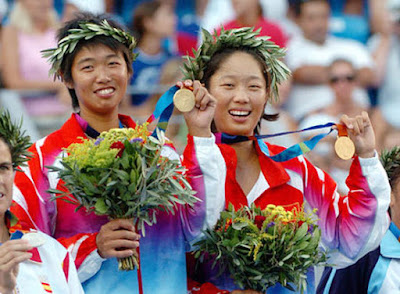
(344, 147)
(360, 132)
(199, 118)
(184, 99)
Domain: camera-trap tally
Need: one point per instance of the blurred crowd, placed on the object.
(344, 57)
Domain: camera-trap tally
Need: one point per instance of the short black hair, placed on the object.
(112, 43)
(298, 4)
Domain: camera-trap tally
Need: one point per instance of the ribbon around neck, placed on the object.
(165, 106)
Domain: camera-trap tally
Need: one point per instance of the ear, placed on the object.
(392, 200)
(69, 85)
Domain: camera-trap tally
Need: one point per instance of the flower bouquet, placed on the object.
(260, 248)
(122, 174)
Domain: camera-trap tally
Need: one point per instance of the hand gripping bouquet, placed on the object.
(122, 174)
(260, 248)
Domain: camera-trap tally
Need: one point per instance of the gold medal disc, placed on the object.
(184, 100)
(344, 147)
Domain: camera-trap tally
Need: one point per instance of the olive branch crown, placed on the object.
(16, 138)
(245, 37)
(86, 31)
(391, 160)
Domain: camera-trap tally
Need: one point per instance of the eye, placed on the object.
(114, 63)
(255, 86)
(5, 167)
(87, 67)
(228, 85)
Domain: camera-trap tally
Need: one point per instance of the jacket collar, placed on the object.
(390, 245)
(274, 172)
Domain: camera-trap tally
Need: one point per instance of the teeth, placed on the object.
(105, 91)
(239, 112)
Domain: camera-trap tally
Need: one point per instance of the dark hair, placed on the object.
(143, 11)
(395, 178)
(219, 57)
(297, 5)
(110, 42)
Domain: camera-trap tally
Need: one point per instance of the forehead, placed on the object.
(95, 51)
(5, 154)
(314, 7)
(342, 65)
(240, 63)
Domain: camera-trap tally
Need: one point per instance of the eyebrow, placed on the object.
(252, 77)
(92, 59)
(6, 163)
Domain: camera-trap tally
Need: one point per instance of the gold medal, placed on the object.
(344, 147)
(184, 100)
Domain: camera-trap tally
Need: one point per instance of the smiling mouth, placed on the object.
(239, 113)
(106, 91)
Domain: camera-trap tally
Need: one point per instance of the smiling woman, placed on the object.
(237, 73)
(99, 79)
(94, 59)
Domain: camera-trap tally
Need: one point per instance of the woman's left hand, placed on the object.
(360, 131)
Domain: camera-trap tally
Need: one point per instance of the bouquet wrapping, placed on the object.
(122, 174)
(260, 248)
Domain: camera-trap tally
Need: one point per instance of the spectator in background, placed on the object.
(72, 7)
(355, 19)
(31, 28)
(310, 55)
(385, 48)
(218, 12)
(249, 13)
(153, 22)
(376, 272)
(349, 99)
(288, 22)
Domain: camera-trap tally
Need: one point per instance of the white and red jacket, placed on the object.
(351, 225)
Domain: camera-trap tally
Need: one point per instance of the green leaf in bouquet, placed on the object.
(239, 225)
(301, 232)
(288, 256)
(101, 207)
(125, 161)
(112, 183)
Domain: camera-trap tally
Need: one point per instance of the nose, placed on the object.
(241, 95)
(103, 76)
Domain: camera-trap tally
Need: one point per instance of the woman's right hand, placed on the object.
(117, 238)
(200, 117)
(12, 253)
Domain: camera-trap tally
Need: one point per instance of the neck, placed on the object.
(103, 122)
(245, 153)
(150, 44)
(40, 26)
(248, 19)
(345, 102)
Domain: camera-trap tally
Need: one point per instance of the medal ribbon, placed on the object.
(165, 106)
(163, 110)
